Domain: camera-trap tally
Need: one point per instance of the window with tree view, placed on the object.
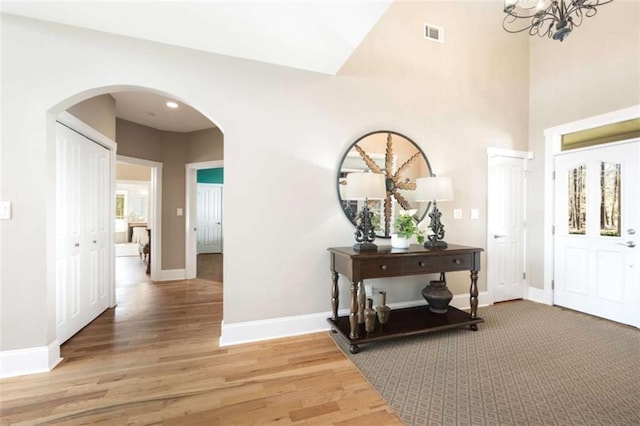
(609, 199)
(578, 200)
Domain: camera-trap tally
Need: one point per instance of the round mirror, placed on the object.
(401, 161)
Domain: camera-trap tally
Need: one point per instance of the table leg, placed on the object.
(335, 296)
(353, 314)
(362, 297)
(473, 298)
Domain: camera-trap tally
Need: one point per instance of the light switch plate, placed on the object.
(457, 213)
(179, 212)
(5, 210)
(475, 214)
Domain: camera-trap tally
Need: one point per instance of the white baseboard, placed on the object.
(172, 275)
(255, 331)
(20, 362)
(539, 295)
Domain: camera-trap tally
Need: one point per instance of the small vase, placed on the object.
(399, 242)
(383, 310)
(369, 317)
(437, 296)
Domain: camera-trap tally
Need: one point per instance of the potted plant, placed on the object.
(406, 226)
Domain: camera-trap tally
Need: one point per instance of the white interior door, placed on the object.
(596, 268)
(209, 218)
(506, 221)
(95, 208)
(83, 178)
(68, 239)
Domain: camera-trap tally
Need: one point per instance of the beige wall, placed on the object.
(98, 112)
(132, 172)
(173, 150)
(205, 145)
(454, 99)
(169, 148)
(594, 71)
(285, 131)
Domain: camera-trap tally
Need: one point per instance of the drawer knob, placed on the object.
(383, 267)
(421, 263)
(457, 261)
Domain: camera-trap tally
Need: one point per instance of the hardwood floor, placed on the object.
(209, 267)
(155, 360)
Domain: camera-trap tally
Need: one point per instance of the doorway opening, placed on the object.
(137, 190)
(204, 244)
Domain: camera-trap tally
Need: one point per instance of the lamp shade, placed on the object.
(362, 186)
(434, 189)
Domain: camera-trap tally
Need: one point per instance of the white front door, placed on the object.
(505, 227)
(597, 220)
(209, 218)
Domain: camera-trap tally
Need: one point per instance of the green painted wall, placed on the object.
(211, 175)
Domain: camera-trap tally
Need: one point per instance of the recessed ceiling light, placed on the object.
(172, 104)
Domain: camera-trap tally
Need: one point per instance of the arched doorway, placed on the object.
(133, 142)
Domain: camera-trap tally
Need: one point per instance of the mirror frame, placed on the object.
(391, 184)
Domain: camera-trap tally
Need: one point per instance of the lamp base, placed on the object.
(365, 247)
(435, 244)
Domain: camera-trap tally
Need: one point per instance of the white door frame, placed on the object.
(191, 240)
(524, 155)
(553, 139)
(156, 211)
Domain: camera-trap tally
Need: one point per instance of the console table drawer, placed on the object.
(377, 268)
(422, 264)
(455, 262)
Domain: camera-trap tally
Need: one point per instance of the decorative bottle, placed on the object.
(382, 309)
(369, 317)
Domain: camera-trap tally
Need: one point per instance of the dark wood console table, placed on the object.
(388, 262)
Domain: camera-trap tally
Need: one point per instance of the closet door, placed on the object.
(95, 205)
(83, 177)
(68, 241)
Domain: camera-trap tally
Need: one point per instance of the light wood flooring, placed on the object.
(155, 360)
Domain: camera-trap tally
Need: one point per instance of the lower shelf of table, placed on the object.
(406, 322)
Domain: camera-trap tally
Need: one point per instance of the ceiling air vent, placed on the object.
(431, 32)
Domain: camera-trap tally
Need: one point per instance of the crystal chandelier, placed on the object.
(551, 18)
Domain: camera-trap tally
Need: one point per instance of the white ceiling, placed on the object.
(314, 35)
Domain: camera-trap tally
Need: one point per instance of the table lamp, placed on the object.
(434, 189)
(365, 186)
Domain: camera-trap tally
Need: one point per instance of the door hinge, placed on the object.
(524, 275)
(553, 285)
(553, 175)
(553, 230)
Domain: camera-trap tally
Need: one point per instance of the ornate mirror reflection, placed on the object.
(401, 161)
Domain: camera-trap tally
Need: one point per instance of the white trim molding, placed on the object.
(20, 362)
(527, 155)
(171, 275)
(256, 331)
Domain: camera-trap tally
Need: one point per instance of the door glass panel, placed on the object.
(578, 200)
(610, 199)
